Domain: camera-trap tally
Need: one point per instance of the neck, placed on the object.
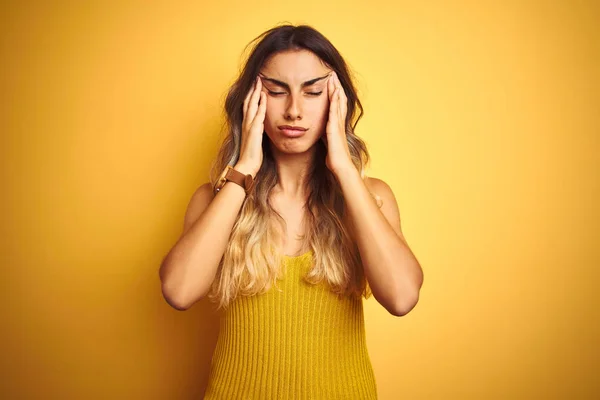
(292, 171)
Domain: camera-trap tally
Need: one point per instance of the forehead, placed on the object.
(294, 66)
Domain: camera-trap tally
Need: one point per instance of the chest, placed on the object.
(294, 216)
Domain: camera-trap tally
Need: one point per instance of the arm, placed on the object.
(188, 270)
(393, 272)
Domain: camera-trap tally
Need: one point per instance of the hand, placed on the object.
(255, 107)
(338, 154)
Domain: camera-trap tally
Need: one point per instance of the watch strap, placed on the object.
(232, 175)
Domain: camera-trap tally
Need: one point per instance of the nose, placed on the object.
(293, 108)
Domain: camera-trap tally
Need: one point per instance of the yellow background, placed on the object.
(482, 116)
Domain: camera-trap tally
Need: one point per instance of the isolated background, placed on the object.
(483, 116)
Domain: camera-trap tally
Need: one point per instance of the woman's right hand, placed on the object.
(255, 108)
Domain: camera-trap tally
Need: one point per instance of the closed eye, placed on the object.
(309, 93)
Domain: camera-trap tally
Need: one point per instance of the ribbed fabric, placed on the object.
(302, 343)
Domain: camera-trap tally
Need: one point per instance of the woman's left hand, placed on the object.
(338, 156)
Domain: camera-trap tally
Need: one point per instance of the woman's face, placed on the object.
(295, 83)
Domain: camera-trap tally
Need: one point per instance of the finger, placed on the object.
(343, 101)
(262, 109)
(253, 105)
(247, 99)
(333, 106)
(330, 87)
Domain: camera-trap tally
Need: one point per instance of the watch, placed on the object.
(232, 175)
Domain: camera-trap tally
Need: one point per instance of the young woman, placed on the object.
(290, 234)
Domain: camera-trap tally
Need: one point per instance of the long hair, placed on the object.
(252, 261)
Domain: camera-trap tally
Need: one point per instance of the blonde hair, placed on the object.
(252, 261)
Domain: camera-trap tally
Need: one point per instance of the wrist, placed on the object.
(244, 169)
(344, 171)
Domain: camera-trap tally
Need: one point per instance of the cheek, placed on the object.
(321, 111)
(317, 107)
(270, 112)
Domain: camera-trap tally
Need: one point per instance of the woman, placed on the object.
(286, 238)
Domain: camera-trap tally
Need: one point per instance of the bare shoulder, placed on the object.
(200, 200)
(389, 208)
(377, 186)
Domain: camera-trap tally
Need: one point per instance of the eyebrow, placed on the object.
(285, 85)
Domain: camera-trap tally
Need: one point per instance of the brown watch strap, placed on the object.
(245, 181)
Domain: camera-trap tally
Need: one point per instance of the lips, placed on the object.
(291, 128)
(292, 131)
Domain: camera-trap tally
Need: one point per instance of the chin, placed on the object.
(293, 145)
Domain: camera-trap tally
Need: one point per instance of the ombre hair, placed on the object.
(252, 261)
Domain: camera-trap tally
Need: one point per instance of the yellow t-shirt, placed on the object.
(302, 343)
